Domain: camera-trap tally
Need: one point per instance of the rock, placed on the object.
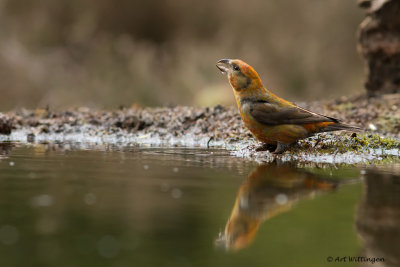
(379, 44)
(5, 125)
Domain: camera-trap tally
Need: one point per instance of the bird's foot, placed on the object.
(266, 147)
(280, 148)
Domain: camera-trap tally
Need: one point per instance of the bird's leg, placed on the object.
(280, 148)
(266, 147)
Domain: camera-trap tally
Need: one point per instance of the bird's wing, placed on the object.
(270, 114)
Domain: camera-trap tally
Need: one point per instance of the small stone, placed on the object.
(372, 127)
(30, 138)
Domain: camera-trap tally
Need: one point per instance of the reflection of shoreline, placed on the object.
(378, 217)
(268, 191)
(5, 149)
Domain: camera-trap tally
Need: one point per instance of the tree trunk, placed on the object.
(379, 44)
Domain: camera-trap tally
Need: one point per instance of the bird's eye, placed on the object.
(236, 67)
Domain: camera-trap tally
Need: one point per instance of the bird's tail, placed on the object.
(342, 126)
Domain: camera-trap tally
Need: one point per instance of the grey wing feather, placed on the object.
(268, 114)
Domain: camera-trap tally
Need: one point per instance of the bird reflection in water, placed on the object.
(268, 191)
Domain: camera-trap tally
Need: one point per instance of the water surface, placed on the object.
(189, 207)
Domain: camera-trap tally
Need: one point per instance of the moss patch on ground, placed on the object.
(335, 143)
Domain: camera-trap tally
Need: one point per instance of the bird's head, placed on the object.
(241, 76)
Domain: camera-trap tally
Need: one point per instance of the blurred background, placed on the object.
(104, 53)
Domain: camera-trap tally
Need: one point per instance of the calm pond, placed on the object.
(190, 207)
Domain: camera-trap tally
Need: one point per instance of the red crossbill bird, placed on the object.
(271, 119)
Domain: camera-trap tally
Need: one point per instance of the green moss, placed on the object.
(330, 143)
(344, 106)
(389, 123)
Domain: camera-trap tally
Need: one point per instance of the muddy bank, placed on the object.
(214, 127)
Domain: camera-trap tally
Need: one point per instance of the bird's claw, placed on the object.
(280, 148)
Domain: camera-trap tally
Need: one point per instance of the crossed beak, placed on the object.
(223, 65)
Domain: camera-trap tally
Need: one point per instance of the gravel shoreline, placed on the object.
(210, 127)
